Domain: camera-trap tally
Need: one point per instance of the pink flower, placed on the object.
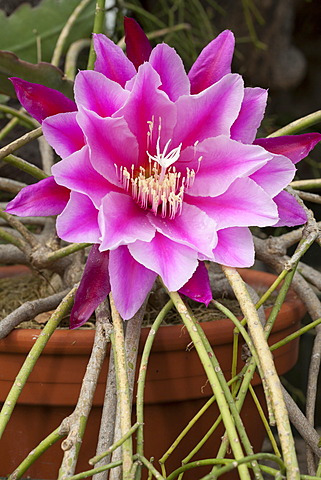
(159, 170)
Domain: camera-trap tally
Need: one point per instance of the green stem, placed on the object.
(7, 237)
(118, 344)
(298, 125)
(30, 122)
(66, 30)
(25, 166)
(63, 252)
(150, 467)
(295, 335)
(32, 358)
(113, 447)
(206, 356)
(8, 128)
(142, 375)
(93, 471)
(72, 57)
(36, 453)
(20, 142)
(269, 372)
(249, 459)
(98, 28)
(313, 183)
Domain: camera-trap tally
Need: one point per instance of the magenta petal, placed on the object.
(198, 287)
(79, 220)
(93, 289)
(290, 212)
(40, 101)
(213, 62)
(111, 60)
(44, 198)
(295, 147)
(210, 113)
(63, 133)
(122, 222)
(192, 228)
(111, 144)
(175, 263)
(138, 47)
(96, 92)
(275, 174)
(168, 64)
(77, 173)
(235, 247)
(251, 114)
(130, 282)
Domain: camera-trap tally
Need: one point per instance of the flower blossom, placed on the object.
(160, 170)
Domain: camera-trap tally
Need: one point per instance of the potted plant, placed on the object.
(160, 175)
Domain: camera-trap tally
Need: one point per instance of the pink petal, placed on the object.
(222, 161)
(243, 204)
(93, 289)
(79, 220)
(40, 101)
(96, 92)
(295, 147)
(77, 173)
(275, 175)
(130, 282)
(198, 287)
(251, 114)
(138, 47)
(210, 113)
(213, 62)
(235, 247)
(175, 263)
(169, 66)
(290, 212)
(192, 228)
(111, 144)
(147, 103)
(44, 198)
(111, 60)
(122, 222)
(63, 133)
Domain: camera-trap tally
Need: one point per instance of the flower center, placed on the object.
(159, 187)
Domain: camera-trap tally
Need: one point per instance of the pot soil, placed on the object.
(176, 388)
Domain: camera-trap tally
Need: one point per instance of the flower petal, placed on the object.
(290, 212)
(295, 147)
(93, 289)
(44, 198)
(138, 47)
(222, 161)
(77, 173)
(147, 111)
(243, 204)
(122, 222)
(96, 92)
(213, 62)
(175, 263)
(235, 247)
(130, 282)
(168, 64)
(111, 60)
(63, 133)
(79, 220)
(111, 144)
(275, 174)
(210, 113)
(40, 101)
(251, 114)
(198, 287)
(192, 228)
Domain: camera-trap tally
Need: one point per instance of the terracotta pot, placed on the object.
(176, 388)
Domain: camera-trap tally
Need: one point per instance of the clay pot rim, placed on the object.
(169, 337)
